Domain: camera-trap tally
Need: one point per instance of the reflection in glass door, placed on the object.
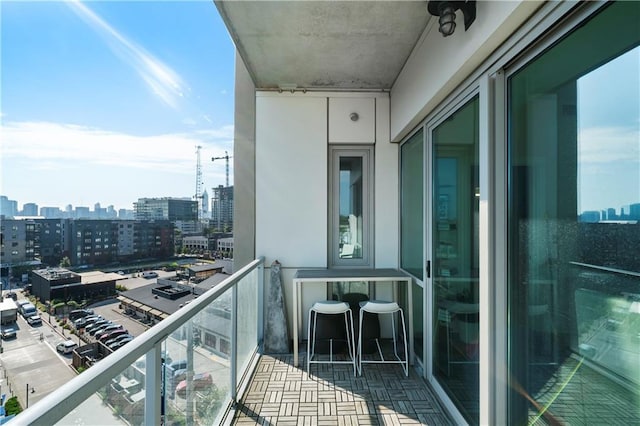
(454, 248)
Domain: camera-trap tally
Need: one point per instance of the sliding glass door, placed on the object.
(453, 238)
(574, 227)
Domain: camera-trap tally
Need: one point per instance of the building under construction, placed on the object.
(222, 208)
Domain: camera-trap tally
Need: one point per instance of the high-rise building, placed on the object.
(51, 212)
(222, 208)
(30, 209)
(166, 208)
(82, 213)
(53, 240)
(8, 208)
(19, 244)
(93, 242)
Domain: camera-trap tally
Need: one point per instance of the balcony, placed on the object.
(203, 365)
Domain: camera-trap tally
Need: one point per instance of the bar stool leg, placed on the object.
(311, 338)
(351, 337)
(405, 365)
(359, 354)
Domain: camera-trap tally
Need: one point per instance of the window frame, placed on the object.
(366, 152)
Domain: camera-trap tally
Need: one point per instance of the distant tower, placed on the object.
(198, 195)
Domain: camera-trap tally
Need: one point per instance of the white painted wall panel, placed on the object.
(386, 191)
(291, 179)
(344, 130)
(244, 168)
(438, 65)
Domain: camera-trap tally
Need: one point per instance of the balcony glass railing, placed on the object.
(188, 369)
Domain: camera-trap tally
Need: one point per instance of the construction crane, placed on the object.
(226, 157)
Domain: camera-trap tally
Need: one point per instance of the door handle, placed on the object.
(428, 269)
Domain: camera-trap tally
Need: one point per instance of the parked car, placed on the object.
(99, 327)
(108, 331)
(94, 322)
(80, 313)
(121, 343)
(93, 328)
(86, 321)
(178, 365)
(34, 320)
(9, 333)
(179, 375)
(116, 336)
(149, 274)
(201, 382)
(66, 347)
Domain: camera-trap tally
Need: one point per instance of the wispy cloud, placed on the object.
(159, 77)
(609, 144)
(67, 146)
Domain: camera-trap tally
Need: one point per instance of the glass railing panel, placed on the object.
(194, 352)
(196, 369)
(247, 319)
(120, 402)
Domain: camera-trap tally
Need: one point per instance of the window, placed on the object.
(574, 226)
(351, 206)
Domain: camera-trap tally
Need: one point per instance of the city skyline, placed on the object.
(618, 210)
(109, 100)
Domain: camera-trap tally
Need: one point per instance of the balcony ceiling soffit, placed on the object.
(324, 44)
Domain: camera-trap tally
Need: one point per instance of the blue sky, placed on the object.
(107, 101)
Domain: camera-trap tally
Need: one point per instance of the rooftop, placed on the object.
(144, 295)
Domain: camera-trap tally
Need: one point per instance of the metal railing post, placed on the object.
(260, 325)
(234, 344)
(153, 385)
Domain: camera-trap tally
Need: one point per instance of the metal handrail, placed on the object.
(58, 404)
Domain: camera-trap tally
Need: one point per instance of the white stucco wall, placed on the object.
(438, 64)
(244, 168)
(291, 179)
(292, 145)
(386, 191)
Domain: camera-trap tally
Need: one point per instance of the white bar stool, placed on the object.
(381, 307)
(331, 307)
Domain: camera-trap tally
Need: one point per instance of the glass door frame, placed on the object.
(453, 106)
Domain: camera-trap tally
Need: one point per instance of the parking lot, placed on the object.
(111, 312)
(28, 362)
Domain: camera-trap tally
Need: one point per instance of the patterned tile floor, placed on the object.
(281, 394)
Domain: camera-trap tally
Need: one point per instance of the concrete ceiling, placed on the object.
(324, 44)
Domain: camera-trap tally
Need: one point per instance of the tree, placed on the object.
(65, 262)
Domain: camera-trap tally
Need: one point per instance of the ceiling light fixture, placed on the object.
(446, 10)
